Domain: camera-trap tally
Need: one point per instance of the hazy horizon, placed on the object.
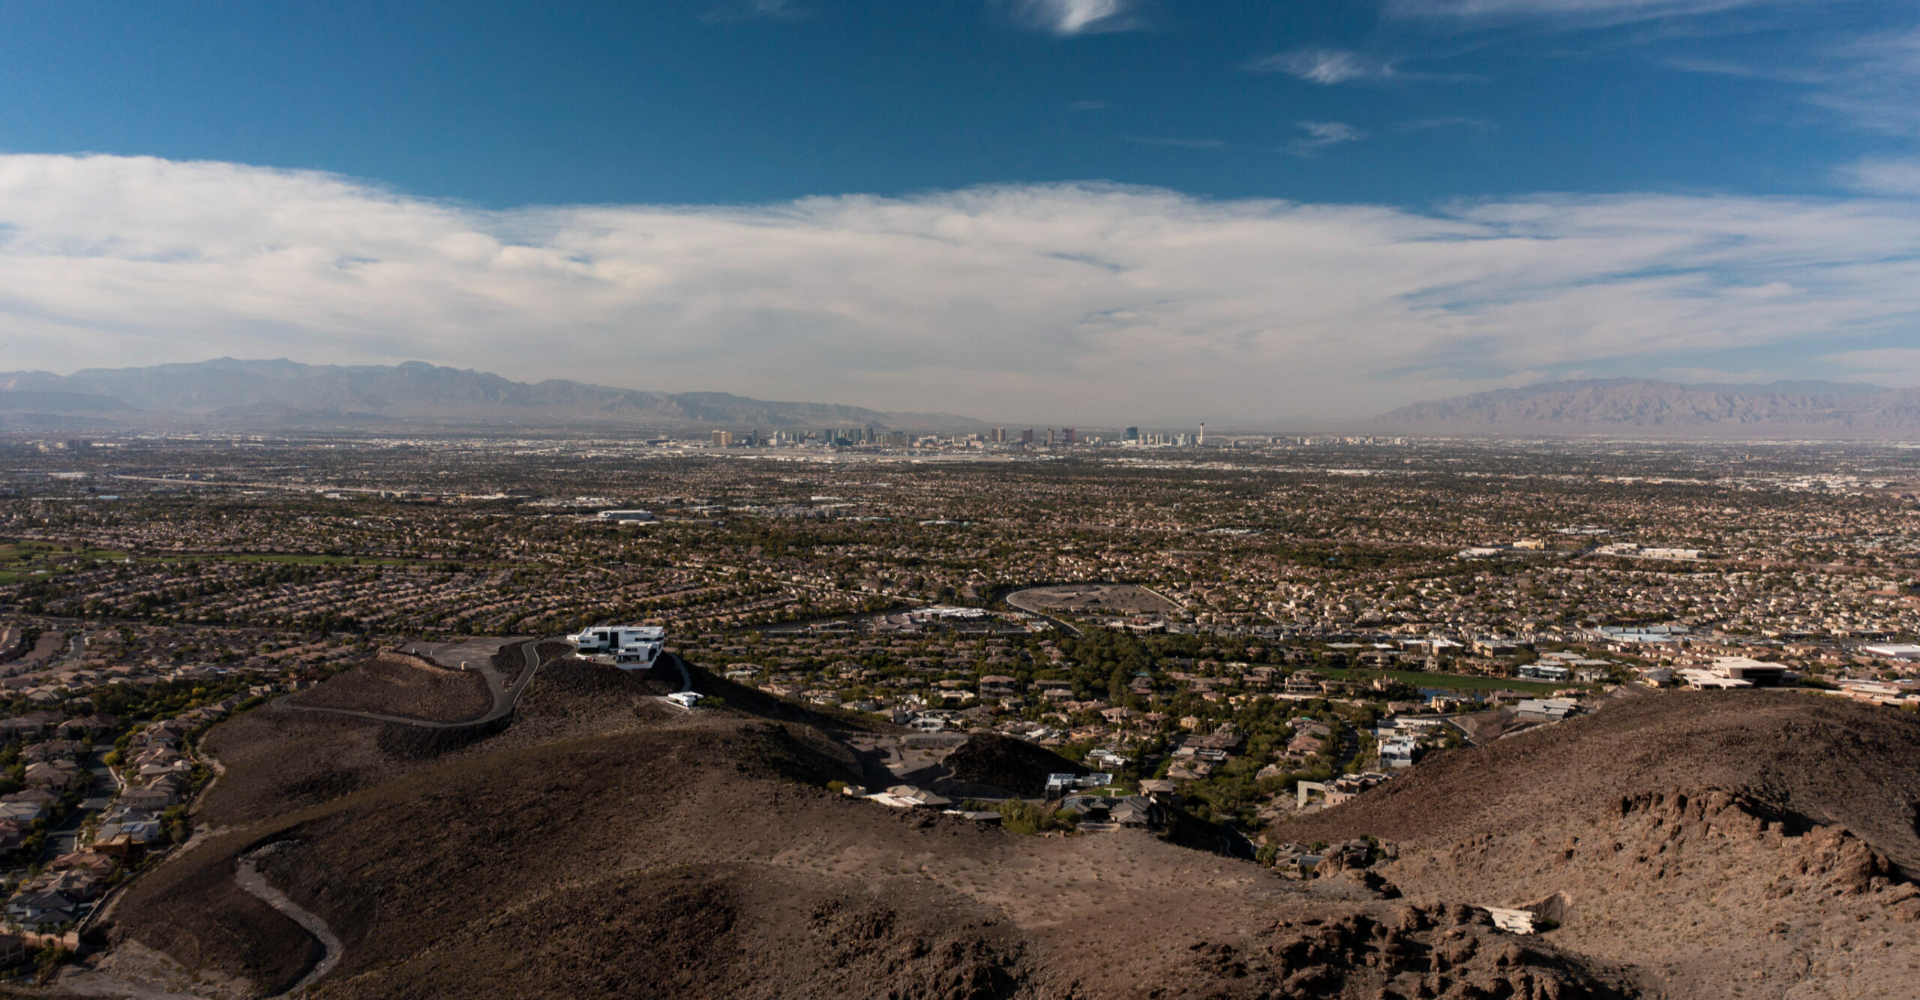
(1069, 209)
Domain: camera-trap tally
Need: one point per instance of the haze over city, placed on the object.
(1060, 210)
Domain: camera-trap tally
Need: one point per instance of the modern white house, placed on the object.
(629, 647)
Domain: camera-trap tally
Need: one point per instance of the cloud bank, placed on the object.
(1061, 302)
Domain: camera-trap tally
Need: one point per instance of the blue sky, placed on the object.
(1678, 188)
(751, 100)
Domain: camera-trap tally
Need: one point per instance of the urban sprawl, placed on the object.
(1230, 628)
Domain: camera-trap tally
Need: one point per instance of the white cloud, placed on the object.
(1876, 175)
(1320, 135)
(754, 10)
(1889, 366)
(1055, 302)
(1747, 71)
(1075, 17)
(1336, 66)
(1325, 66)
(1444, 122)
(1875, 80)
(1571, 13)
(1140, 140)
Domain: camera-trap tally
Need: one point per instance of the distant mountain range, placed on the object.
(1665, 409)
(285, 393)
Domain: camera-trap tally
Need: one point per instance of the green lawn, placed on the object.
(1459, 682)
(38, 553)
(21, 560)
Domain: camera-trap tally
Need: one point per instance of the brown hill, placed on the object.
(993, 759)
(397, 684)
(1749, 838)
(606, 845)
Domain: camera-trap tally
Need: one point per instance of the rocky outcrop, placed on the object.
(1407, 951)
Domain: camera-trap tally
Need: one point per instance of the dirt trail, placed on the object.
(248, 877)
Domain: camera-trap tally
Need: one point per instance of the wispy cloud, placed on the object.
(1875, 80)
(1442, 122)
(1895, 366)
(1564, 13)
(721, 11)
(1179, 143)
(1073, 301)
(1320, 135)
(1075, 17)
(1878, 175)
(1329, 67)
(1747, 70)
(1871, 80)
(1324, 66)
(1088, 106)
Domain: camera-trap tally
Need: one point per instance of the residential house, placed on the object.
(76, 884)
(910, 797)
(60, 774)
(1106, 812)
(41, 909)
(151, 798)
(87, 727)
(99, 865)
(998, 685)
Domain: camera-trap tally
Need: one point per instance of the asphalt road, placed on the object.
(60, 839)
(505, 696)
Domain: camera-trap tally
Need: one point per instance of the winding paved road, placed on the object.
(505, 696)
(249, 878)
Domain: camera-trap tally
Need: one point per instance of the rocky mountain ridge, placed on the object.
(1645, 407)
(282, 392)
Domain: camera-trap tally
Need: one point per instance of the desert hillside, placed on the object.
(1751, 838)
(605, 845)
